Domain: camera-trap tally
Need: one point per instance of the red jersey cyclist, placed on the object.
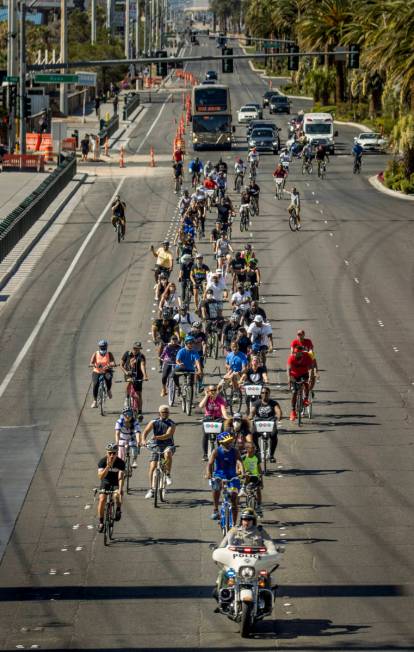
(307, 345)
(299, 364)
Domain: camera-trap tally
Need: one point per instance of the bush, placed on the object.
(407, 187)
(395, 179)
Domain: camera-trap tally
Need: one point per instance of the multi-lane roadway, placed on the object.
(340, 498)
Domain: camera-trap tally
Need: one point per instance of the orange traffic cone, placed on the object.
(152, 158)
(106, 146)
(121, 157)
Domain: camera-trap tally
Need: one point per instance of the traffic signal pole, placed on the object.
(22, 85)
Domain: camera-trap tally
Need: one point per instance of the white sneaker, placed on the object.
(150, 493)
(168, 480)
(94, 405)
(134, 464)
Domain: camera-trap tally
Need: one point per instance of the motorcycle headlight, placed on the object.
(246, 572)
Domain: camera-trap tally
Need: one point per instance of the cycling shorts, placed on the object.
(233, 485)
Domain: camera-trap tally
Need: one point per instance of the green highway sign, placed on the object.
(11, 79)
(56, 79)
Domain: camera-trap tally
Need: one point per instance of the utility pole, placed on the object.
(146, 26)
(126, 48)
(93, 22)
(63, 55)
(12, 68)
(137, 26)
(22, 64)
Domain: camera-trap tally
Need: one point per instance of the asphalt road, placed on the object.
(340, 497)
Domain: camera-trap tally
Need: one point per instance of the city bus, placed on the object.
(211, 117)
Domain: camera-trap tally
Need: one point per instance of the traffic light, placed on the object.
(293, 58)
(227, 64)
(353, 56)
(162, 66)
(27, 107)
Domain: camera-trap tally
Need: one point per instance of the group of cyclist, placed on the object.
(180, 331)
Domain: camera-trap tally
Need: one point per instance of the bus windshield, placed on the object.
(211, 99)
(318, 128)
(212, 123)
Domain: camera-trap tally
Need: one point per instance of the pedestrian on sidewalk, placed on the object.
(97, 105)
(116, 100)
(85, 147)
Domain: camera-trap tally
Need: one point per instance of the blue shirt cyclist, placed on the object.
(225, 464)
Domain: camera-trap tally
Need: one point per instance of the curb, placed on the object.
(356, 125)
(13, 269)
(395, 194)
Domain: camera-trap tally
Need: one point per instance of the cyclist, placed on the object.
(126, 431)
(187, 361)
(169, 299)
(253, 278)
(240, 428)
(238, 270)
(221, 166)
(285, 159)
(221, 182)
(198, 278)
(178, 156)
(184, 277)
(162, 440)
(111, 474)
(118, 213)
(266, 408)
(239, 171)
(253, 474)
(102, 362)
(307, 153)
(245, 202)
(256, 372)
(236, 365)
(294, 203)
(162, 331)
(241, 299)
(321, 156)
(211, 310)
(223, 251)
(254, 191)
(299, 364)
(215, 407)
(160, 286)
(185, 319)
(184, 202)
(200, 340)
(225, 464)
(251, 313)
(178, 175)
(208, 169)
(229, 333)
(195, 168)
(280, 173)
(164, 258)
(261, 335)
(248, 253)
(307, 345)
(133, 364)
(216, 281)
(253, 158)
(357, 152)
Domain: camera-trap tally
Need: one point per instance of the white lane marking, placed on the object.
(153, 124)
(346, 262)
(45, 314)
(331, 234)
(326, 221)
(356, 280)
(317, 201)
(367, 300)
(380, 323)
(395, 349)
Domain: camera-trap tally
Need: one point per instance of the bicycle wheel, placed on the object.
(101, 399)
(171, 391)
(189, 401)
(156, 485)
(215, 347)
(163, 488)
(310, 409)
(292, 221)
(251, 501)
(128, 471)
(119, 231)
(263, 454)
(106, 525)
(184, 397)
(304, 168)
(299, 406)
(323, 171)
(211, 444)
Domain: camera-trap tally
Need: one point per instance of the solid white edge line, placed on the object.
(57, 293)
(153, 125)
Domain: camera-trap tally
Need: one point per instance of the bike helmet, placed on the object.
(186, 259)
(199, 256)
(248, 514)
(237, 416)
(166, 242)
(128, 412)
(112, 448)
(103, 344)
(189, 339)
(225, 438)
(163, 275)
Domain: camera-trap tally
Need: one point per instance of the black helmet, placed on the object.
(248, 514)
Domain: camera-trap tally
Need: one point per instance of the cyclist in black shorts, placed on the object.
(162, 330)
(111, 474)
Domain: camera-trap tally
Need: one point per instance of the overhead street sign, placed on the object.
(86, 78)
(11, 79)
(56, 79)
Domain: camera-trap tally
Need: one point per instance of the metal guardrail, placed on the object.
(18, 222)
(111, 128)
(131, 102)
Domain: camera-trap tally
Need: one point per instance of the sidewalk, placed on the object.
(91, 124)
(15, 187)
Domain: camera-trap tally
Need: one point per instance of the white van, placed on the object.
(320, 126)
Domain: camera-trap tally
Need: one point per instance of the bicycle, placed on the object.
(128, 466)
(357, 165)
(212, 428)
(321, 169)
(195, 179)
(244, 218)
(159, 479)
(238, 182)
(102, 393)
(250, 489)
(254, 205)
(234, 398)
(186, 291)
(279, 181)
(120, 229)
(298, 387)
(178, 183)
(109, 513)
(171, 388)
(293, 219)
(251, 393)
(187, 391)
(131, 400)
(307, 166)
(264, 428)
(226, 508)
(212, 343)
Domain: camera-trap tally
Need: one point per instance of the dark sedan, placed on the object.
(279, 104)
(267, 95)
(264, 139)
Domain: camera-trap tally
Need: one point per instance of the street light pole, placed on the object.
(12, 68)
(137, 26)
(63, 55)
(22, 89)
(126, 48)
(93, 22)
